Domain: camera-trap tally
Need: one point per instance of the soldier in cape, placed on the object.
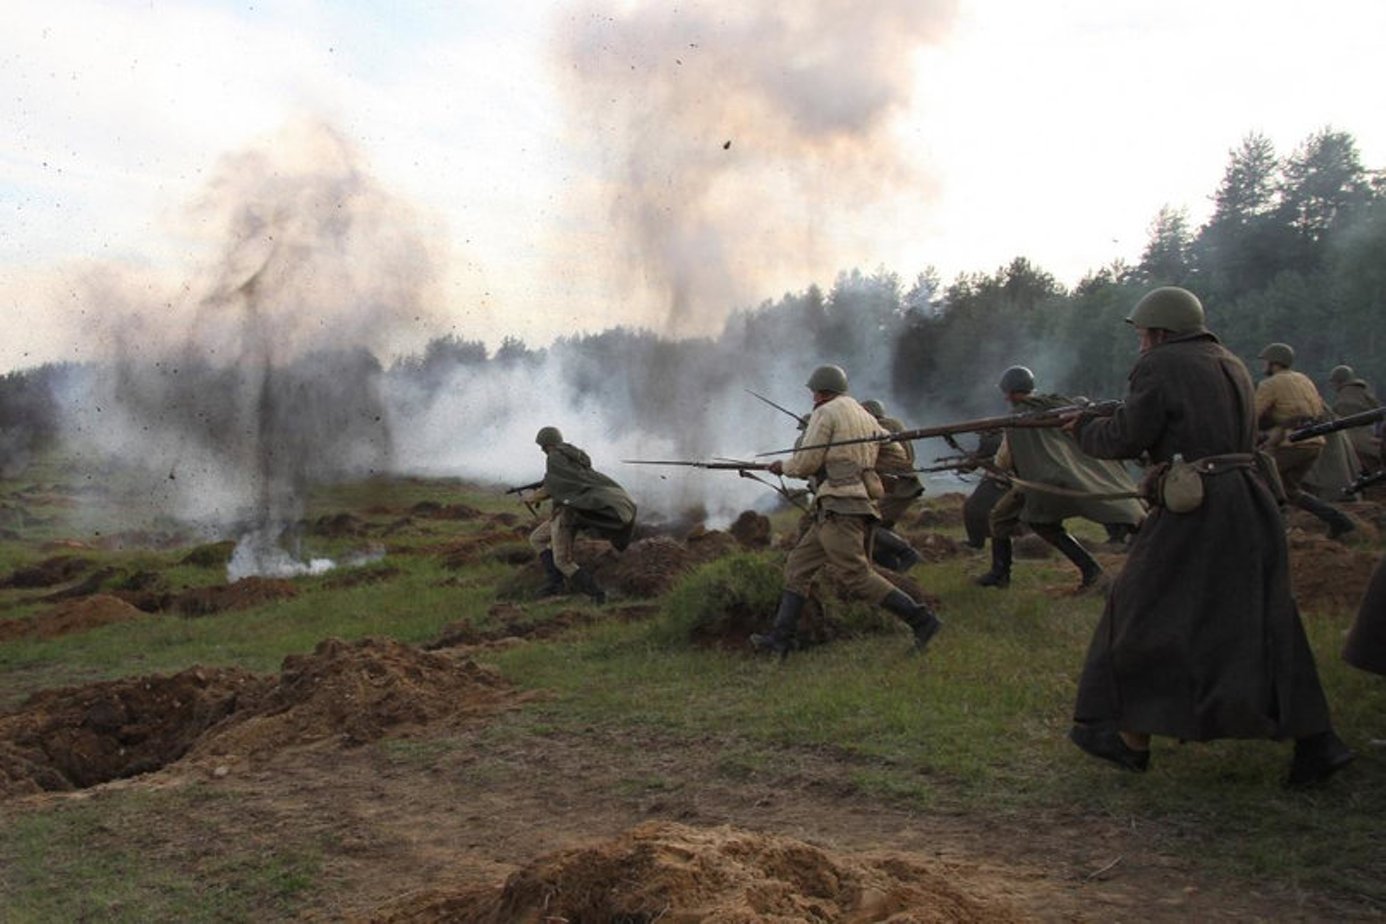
(1286, 399)
(1200, 638)
(584, 501)
(895, 466)
(1054, 480)
(846, 490)
(1365, 646)
(1352, 395)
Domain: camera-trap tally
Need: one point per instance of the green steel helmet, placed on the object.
(1341, 375)
(875, 408)
(1282, 354)
(829, 378)
(548, 436)
(1168, 308)
(1017, 378)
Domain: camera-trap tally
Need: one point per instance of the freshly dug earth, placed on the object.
(1325, 574)
(509, 621)
(356, 692)
(669, 872)
(71, 616)
(344, 693)
(50, 571)
(245, 593)
(75, 737)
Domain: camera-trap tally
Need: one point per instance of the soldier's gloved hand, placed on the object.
(776, 467)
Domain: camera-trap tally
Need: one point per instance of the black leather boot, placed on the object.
(1000, 573)
(890, 550)
(1074, 552)
(781, 636)
(553, 578)
(922, 620)
(584, 582)
(1317, 758)
(1339, 523)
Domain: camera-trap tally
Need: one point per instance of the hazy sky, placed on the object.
(583, 164)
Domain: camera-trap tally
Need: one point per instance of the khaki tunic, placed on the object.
(844, 511)
(895, 465)
(1286, 399)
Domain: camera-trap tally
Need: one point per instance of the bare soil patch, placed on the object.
(239, 595)
(1326, 574)
(511, 621)
(341, 694)
(51, 571)
(666, 871)
(71, 616)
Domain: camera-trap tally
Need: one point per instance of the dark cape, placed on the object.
(1052, 457)
(1200, 638)
(602, 506)
(1366, 640)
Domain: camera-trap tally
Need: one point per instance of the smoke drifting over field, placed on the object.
(259, 378)
(707, 118)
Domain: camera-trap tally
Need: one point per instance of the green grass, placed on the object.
(975, 726)
(104, 859)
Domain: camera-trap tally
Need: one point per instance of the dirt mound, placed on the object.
(752, 530)
(211, 555)
(75, 737)
(509, 621)
(1325, 574)
(69, 617)
(647, 568)
(942, 511)
(243, 594)
(661, 871)
(485, 544)
(339, 526)
(934, 547)
(433, 510)
(56, 570)
(357, 692)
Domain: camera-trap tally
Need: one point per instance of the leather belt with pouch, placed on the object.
(1178, 485)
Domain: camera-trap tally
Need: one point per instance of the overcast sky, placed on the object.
(583, 164)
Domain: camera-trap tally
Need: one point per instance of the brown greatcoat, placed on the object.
(1366, 640)
(1200, 638)
(1354, 397)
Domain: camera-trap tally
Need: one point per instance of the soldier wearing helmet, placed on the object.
(1352, 395)
(1286, 399)
(584, 501)
(902, 487)
(1052, 458)
(846, 489)
(1200, 638)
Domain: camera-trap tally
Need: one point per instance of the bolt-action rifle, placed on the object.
(1036, 419)
(741, 467)
(960, 463)
(1360, 419)
(1363, 482)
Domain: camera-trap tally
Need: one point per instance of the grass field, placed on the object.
(974, 730)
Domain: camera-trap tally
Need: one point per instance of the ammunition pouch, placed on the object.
(843, 473)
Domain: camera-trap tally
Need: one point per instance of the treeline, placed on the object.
(1294, 251)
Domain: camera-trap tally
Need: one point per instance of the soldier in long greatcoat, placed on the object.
(1352, 395)
(1366, 640)
(1200, 638)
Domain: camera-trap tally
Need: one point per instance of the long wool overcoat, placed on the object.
(1200, 638)
(1366, 640)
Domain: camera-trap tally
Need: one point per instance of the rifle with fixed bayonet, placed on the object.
(742, 467)
(1361, 419)
(1036, 419)
(961, 463)
(1363, 482)
(800, 419)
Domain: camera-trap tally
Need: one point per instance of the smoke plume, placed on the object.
(731, 137)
